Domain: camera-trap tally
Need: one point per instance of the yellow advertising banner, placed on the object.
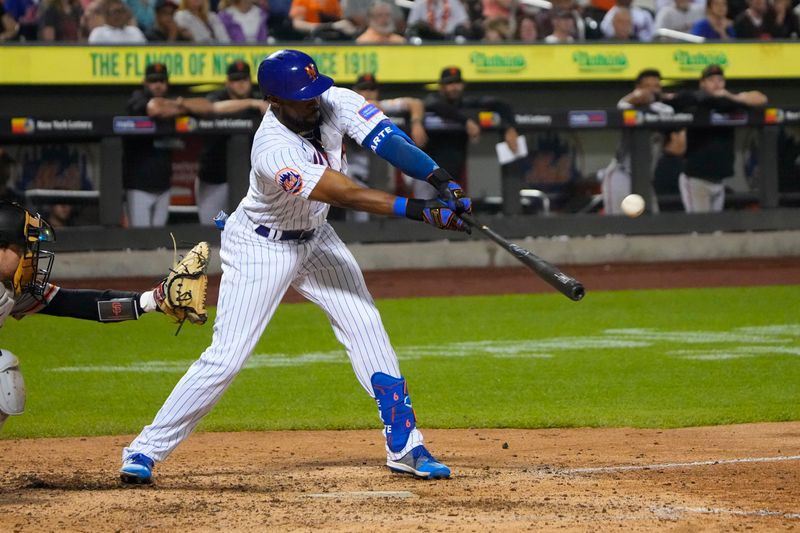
(107, 65)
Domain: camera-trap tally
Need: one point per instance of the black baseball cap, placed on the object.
(366, 82)
(156, 72)
(450, 75)
(712, 70)
(239, 70)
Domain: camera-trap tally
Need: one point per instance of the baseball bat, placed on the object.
(569, 287)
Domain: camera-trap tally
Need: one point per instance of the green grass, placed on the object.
(531, 374)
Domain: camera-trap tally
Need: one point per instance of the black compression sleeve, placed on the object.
(82, 303)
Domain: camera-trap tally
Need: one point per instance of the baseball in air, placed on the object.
(633, 205)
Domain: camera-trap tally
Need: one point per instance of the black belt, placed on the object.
(299, 235)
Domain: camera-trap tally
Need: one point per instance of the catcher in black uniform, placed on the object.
(25, 271)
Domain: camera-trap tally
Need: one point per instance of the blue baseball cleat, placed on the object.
(420, 463)
(137, 469)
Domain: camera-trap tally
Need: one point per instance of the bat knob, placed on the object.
(578, 292)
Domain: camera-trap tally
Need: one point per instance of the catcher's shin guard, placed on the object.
(395, 409)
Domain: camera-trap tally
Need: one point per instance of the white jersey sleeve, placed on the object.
(354, 116)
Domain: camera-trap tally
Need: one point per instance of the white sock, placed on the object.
(148, 301)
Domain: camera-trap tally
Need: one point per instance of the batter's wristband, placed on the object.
(399, 207)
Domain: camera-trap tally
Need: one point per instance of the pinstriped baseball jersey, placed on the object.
(258, 268)
(283, 161)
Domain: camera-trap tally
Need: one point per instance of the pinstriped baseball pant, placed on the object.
(257, 272)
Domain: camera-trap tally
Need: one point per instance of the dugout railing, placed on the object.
(109, 132)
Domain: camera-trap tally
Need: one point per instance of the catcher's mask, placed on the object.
(20, 227)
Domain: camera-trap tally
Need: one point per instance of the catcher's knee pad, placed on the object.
(395, 409)
(12, 386)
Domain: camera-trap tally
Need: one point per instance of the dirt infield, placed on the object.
(732, 478)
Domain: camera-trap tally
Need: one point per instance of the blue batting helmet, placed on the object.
(292, 75)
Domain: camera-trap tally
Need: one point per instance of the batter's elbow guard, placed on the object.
(394, 406)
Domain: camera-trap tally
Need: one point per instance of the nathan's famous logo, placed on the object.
(697, 61)
(311, 71)
(290, 180)
(612, 62)
(497, 63)
(22, 126)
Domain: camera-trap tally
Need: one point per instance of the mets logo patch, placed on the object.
(290, 180)
(368, 111)
(311, 72)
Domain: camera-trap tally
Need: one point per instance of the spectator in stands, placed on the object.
(381, 28)
(497, 9)
(710, 150)
(474, 30)
(646, 96)
(94, 16)
(563, 28)
(165, 28)
(448, 145)
(783, 22)
(622, 25)
(357, 12)
(26, 13)
(527, 30)
(360, 158)
(321, 19)
(9, 29)
(716, 26)
(438, 19)
(117, 29)
(60, 20)
(642, 22)
(496, 30)
(680, 15)
(752, 23)
(661, 4)
(144, 11)
(244, 22)
(279, 23)
(237, 99)
(196, 18)
(545, 20)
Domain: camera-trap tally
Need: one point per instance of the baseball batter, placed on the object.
(278, 237)
(25, 290)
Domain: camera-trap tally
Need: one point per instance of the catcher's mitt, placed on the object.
(182, 294)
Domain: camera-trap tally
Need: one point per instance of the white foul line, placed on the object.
(735, 512)
(365, 494)
(625, 468)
